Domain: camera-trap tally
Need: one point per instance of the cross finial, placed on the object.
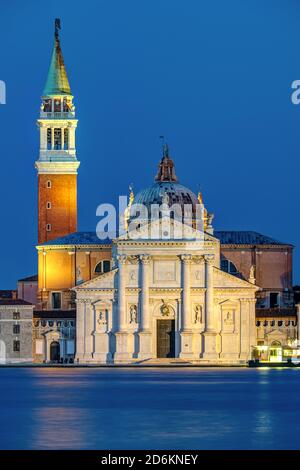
(57, 26)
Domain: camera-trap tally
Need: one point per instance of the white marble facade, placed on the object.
(119, 313)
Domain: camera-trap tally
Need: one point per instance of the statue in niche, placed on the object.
(165, 309)
(102, 318)
(198, 314)
(132, 276)
(133, 314)
(79, 279)
(197, 275)
(228, 318)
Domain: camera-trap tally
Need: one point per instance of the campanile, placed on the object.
(57, 164)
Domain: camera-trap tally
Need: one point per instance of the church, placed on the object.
(167, 288)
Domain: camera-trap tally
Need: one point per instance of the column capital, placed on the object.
(186, 258)
(198, 259)
(122, 259)
(145, 259)
(209, 259)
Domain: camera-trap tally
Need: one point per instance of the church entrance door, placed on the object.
(54, 351)
(165, 338)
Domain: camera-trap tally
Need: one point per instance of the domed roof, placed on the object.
(155, 194)
(167, 189)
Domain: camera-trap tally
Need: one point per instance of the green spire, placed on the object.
(57, 81)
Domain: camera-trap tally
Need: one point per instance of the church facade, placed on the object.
(168, 288)
(165, 299)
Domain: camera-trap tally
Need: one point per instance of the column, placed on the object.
(186, 334)
(62, 138)
(145, 331)
(121, 353)
(209, 353)
(80, 330)
(186, 292)
(209, 293)
(88, 331)
(52, 138)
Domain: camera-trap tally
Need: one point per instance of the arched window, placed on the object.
(102, 267)
(228, 266)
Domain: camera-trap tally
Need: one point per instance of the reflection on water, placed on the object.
(47, 408)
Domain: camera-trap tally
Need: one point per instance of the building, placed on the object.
(15, 331)
(166, 296)
(209, 297)
(54, 336)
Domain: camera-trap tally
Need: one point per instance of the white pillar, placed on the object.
(52, 138)
(186, 292)
(122, 292)
(80, 311)
(62, 137)
(145, 320)
(122, 354)
(209, 293)
(186, 334)
(145, 331)
(210, 335)
(88, 327)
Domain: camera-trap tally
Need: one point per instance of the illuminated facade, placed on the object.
(57, 164)
(220, 298)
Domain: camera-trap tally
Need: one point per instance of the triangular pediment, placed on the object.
(166, 229)
(226, 280)
(103, 281)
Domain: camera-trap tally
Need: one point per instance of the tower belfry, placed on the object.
(57, 164)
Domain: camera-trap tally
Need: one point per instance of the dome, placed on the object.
(167, 190)
(177, 194)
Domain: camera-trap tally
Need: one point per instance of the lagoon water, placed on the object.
(154, 408)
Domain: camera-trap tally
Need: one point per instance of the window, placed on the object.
(57, 106)
(57, 139)
(56, 300)
(66, 139)
(273, 323)
(49, 139)
(48, 205)
(43, 323)
(48, 184)
(48, 227)
(50, 323)
(16, 315)
(47, 106)
(16, 329)
(273, 299)
(228, 266)
(280, 323)
(102, 267)
(16, 346)
(258, 323)
(265, 323)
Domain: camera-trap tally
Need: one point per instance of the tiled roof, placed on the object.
(29, 278)
(54, 314)
(78, 238)
(14, 302)
(245, 238)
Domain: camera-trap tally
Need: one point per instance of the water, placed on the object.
(174, 408)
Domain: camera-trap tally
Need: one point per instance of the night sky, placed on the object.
(213, 76)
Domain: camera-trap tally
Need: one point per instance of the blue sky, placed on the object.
(214, 77)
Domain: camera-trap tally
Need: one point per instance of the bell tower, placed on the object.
(57, 164)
